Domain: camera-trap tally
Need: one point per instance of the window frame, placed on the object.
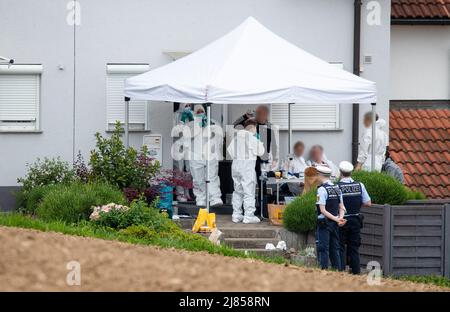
(130, 69)
(294, 127)
(32, 125)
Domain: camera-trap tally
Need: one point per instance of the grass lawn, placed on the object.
(87, 229)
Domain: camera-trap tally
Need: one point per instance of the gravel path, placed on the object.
(36, 261)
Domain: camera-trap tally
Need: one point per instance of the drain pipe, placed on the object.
(356, 71)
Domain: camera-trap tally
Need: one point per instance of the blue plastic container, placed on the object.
(166, 199)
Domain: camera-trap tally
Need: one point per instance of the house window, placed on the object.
(115, 108)
(307, 116)
(20, 97)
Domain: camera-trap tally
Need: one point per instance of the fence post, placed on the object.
(446, 251)
(387, 239)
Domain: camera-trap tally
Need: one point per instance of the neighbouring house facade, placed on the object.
(71, 58)
(420, 94)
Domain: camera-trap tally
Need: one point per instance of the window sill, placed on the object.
(130, 131)
(315, 130)
(21, 131)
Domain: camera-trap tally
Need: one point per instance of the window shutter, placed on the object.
(117, 73)
(19, 97)
(307, 116)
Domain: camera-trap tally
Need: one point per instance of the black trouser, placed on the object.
(327, 244)
(350, 240)
(262, 205)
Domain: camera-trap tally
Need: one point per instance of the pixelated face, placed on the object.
(262, 114)
(367, 121)
(299, 150)
(316, 154)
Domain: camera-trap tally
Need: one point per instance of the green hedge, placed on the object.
(300, 215)
(382, 188)
(73, 202)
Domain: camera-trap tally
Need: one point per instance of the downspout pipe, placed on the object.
(356, 71)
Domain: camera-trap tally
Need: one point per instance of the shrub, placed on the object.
(81, 170)
(382, 188)
(47, 172)
(139, 213)
(300, 215)
(123, 167)
(150, 193)
(74, 202)
(33, 199)
(414, 195)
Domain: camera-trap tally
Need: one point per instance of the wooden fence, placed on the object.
(411, 239)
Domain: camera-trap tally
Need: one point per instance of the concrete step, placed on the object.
(248, 232)
(185, 223)
(263, 252)
(192, 210)
(249, 243)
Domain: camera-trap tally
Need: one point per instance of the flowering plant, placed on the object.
(99, 210)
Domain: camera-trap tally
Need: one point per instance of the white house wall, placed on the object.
(136, 31)
(420, 58)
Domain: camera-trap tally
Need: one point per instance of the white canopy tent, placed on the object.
(251, 65)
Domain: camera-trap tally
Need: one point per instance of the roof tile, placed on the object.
(420, 9)
(420, 144)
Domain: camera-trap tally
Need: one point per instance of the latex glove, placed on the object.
(187, 115)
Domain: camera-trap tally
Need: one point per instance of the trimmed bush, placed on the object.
(382, 188)
(414, 195)
(74, 202)
(300, 215)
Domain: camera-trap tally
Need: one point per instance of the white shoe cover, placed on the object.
(237, 218)
(251, 219)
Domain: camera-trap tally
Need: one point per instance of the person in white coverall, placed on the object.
(198, 162)
(365, 146)
(182, 115)
(244, 148)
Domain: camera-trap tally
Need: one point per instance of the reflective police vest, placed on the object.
(333, 200)
(352, 194)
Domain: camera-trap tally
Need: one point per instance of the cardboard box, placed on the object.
(276, 213)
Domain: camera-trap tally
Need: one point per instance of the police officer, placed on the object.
(330, 210)
(355, 196)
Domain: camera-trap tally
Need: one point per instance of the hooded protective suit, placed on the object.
(365, 146)
(244, 148)
(181, 116)
(198, 162)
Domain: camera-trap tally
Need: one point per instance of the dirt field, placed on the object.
(36, 261)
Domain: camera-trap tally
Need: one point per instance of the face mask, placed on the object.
(200, 115)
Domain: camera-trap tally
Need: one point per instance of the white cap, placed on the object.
(324, 170)
(345, 166)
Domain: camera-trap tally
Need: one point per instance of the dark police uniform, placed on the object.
(327, 235)
(354, 195)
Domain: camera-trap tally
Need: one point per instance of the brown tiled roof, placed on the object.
(420, 145)
(420, 9)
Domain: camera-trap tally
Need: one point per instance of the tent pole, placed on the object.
(289, 128)
(374, 120)
(208, 150)
(127, 112)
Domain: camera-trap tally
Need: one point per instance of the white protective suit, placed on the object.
(297, 165)
(244, 148)
(181, 165)
(197, 165)
(365, 146)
